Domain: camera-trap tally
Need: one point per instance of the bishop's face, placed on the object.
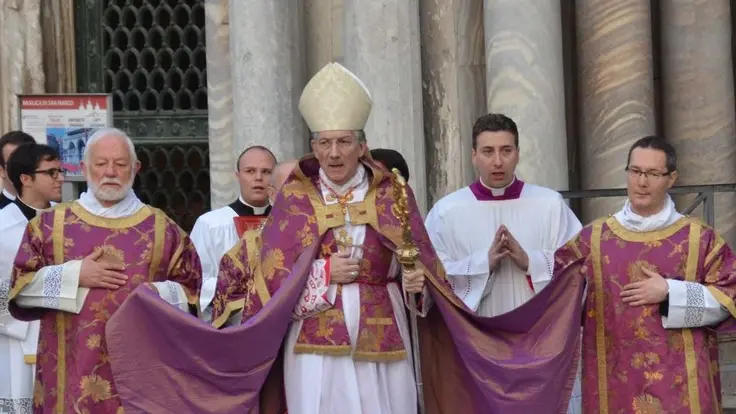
(339, 154)
(495, 156)
(648, 180)
(111, 169)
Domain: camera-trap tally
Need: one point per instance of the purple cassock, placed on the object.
(164, 360)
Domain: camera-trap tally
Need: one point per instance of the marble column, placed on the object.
(323, 33)
(698, 95)
(524, 76)
(616, 92)
(268, 75)
(382, 48)
(57, 22)
(21, 57)
(453, 73)
(223, 187)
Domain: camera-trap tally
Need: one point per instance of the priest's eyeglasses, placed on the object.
(52, 172)
(636, 173)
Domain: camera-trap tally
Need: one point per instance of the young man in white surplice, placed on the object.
(214, 233)
(35, 171)
(497, 237)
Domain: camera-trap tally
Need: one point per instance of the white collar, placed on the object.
(256, 210)
(128, 206)
(355, 181)
(634, 222)
(497, 192)
(7, 194)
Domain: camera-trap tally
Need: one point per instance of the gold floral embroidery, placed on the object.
(646, 404)
(93, 342)
(274, 260)
(110, 253)
(95, 387)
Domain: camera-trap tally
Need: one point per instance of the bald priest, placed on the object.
(314, 318)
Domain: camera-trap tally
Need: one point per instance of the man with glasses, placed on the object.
(657, 283)
(219, 230)
(35, 172)
(8, 143)
(80, 261)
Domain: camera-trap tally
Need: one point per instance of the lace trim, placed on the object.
(52, 287)
(694, 305)
(4, 297)
(16, 405)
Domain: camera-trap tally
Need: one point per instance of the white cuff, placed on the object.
(55, 287)
(15, 329)
(541, 267)
(173, 293)
(691, 305)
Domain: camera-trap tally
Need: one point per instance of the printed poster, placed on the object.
(65, 122)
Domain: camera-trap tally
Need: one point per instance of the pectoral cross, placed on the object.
(343, 240)
(323, 330)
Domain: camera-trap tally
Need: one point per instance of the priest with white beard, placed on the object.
(497, 237)
(217, 231)
(35, 171)
(80, 261)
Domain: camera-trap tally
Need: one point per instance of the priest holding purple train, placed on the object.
(80, 261)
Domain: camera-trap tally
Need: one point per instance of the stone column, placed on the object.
(223, 187)
(698, 95)
(616, 91)
(524, 74)
(57, 21)
(268, 75)
(323, 33)
(21, 57)
(453, 72)
(382, 48)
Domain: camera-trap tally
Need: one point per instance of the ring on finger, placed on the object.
(354, 274)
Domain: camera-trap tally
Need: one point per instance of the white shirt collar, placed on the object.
(634, 222)
(353, 182)
(497, 192)
(128, 206)
(7, 194)
(256, 210)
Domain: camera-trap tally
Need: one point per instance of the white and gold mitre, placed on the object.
(335, 100)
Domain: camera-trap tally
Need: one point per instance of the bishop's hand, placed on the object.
(95, 273)
(413, 280)
(343, 269)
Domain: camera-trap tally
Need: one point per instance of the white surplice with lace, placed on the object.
(18, 339)
(319, 384)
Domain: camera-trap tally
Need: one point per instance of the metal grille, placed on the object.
(150, 55)
(176, 179)
(155, 55)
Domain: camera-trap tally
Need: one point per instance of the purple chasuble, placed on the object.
(524, 360)
(483, 193)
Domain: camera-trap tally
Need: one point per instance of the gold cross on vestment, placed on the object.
(380, 321)
(322, 330)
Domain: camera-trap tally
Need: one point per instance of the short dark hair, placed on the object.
(495, 123)
(656, 143)
(26, 160)
(16, 138)
(253, 147)
(391, 159)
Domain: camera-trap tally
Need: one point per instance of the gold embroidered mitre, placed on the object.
(335, 100)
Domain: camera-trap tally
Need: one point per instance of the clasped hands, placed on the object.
(344, 269)
(506, 246)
